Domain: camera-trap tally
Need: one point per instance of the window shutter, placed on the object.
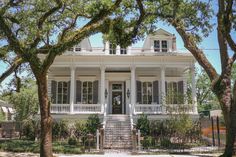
(78, 91)
(95, 92)
(53, 91)
(139, 92)
(68, 92)
(181, 91)
(156, 91)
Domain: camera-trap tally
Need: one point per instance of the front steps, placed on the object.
(118, 132)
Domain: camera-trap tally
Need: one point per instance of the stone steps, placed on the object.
(117, 132)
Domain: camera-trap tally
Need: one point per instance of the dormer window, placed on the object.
(123, 51)
(160, 45)
(77, 48)
(112, 48)
(157, 45)
(164, 46)
(71, 49)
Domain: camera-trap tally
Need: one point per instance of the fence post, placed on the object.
(101, 138)
(218, 130)
(98, 139)
(213, 135)
(139, 144)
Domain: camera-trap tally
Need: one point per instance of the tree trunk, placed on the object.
(46, 119)
(229, 111)
(230, 134)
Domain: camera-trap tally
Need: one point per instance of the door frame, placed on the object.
(110, 95)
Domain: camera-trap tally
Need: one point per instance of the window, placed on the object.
(87, 92)
(146, 92)
(123, 51)
(62, 92)
(112, 48)
(172, 93)
(71, 49)
(164, 46)
(78, 48)
(157, 45)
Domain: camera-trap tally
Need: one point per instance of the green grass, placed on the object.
(32, 146)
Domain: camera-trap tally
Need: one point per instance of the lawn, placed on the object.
(32, 146)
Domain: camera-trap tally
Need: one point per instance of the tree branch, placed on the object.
(43, 18)
(16, 63)
(221, 37)
(10, 36)
(93, 26)
(190, 44)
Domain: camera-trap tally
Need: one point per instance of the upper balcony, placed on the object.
(160, 42)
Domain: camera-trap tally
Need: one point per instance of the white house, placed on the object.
(113, 80)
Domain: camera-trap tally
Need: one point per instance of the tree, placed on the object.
(206, 99)
(26, 101)
(35, 32)
(193, 21)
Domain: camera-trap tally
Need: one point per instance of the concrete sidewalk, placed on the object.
(107, 154)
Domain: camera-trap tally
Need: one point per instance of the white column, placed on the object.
(194, 97)
(107, 47)
(163, 89)
(185, 83)
(102, 99)
(118, 49)
(133, 86)
(72, 89)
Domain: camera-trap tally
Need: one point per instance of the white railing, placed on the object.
(179, 108)
(148, 109)
(160, 109)
(60, 108)
(88, 108)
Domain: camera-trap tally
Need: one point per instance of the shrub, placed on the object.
(72, 141)
(143, 125)
(30, 129)
(147, 142)
(165, 142)
(60, 129)
(80, 128)
(93, 123)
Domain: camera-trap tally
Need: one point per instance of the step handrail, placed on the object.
(131, 116)
(104, 115)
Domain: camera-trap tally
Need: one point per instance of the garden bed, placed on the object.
(32, 146)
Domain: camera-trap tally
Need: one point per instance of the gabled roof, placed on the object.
(161, 31)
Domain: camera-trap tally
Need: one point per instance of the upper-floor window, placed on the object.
(164, 46)
(157, 45)
(146, 92)
(160, 46)
(123, 51)
(71, 49)
(112, 48)
(87, 92)
(62, 92)
(78, 48)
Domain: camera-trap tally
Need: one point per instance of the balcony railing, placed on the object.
(160, 109)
